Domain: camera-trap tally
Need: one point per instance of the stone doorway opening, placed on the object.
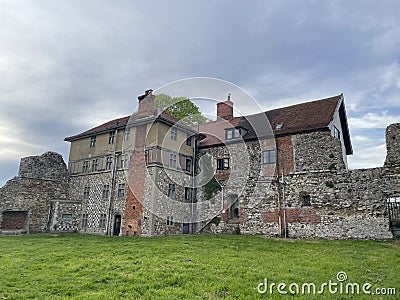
(393, 205)
(117, 225)
(185, 226)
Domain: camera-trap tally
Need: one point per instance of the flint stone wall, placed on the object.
(41, 180)
(96, 205)
(344, 204)
(393, 145)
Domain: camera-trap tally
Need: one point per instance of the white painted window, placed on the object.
(222, 163)
(121, 190)
(102, 221)
(85, 167)
(170, 220)
(86, 192)
(269, 157)
(172, 160)
(111, 137)
(95, 164)
(106, 191)
(109, 163)
(84, 221)
(174, 134)
(127, 133)
(93, 142)
(232, 133)
(188, 167)
(171, 190)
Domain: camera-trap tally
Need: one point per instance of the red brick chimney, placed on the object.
(146, 103)
(225, 109)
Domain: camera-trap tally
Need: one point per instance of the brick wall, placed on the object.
(146, 106)
(225, 110)
(136, 182)
(285, 157)
(14, 221)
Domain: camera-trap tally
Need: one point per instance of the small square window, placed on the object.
(170, 220)
(307, 200)
(269, 157)
(222, 163)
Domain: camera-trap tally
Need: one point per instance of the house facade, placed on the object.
(278, 173)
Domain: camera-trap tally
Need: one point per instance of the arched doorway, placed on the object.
(117, 225)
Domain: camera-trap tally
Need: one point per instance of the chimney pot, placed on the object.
(225, 109)
(146, 103)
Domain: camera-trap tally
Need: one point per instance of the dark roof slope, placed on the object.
(305, 117)
(121, 123)
(110, 125)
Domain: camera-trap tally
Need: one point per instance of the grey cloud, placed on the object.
(68, 65)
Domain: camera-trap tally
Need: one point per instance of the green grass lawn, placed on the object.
(73, 266)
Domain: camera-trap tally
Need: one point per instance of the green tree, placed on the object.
(181, 108)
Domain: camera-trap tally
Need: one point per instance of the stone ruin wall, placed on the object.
(344, 204)
(41, 180)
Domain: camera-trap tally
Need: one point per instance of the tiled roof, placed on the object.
(119, 123)
(110, 125)
(304, 117)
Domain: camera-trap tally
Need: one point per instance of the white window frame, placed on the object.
(269, 157)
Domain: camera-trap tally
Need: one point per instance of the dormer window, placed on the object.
(233, 133)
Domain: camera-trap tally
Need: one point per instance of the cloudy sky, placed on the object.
(68, 65)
